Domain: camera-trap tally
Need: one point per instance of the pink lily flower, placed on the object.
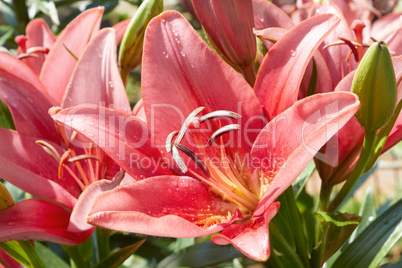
(223, 167)
(335, 70)
(45, 161)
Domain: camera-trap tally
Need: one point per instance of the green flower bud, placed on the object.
(375, 84)
(130, 53)
(6, 199)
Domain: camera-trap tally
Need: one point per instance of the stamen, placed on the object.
(63, 160)
(189, 118)
(194, 157)
(177, 158)
(48, 148)
(220, 114)
(352, 46)
(220, 132)
(26, 55)
(169, 141)
(82, 157)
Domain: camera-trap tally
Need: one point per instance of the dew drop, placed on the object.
(82, 129)
(293, 53)
(163, 20)
(174, 183)
(11, 223)
(183, 54)
(30, 100)
(164, 210)
(192, 66)
(111, 84)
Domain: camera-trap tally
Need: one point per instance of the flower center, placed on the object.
(220, 171)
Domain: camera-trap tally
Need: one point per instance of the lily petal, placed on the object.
(313, 121)
(39, 220)
(267, 15)
(124, 137)
(22, 92)
(190, 75)
(85, 201)
(27, 166)
(282, 69)
(250, 237)
(96, 79)
(74, 37)
(169, 206)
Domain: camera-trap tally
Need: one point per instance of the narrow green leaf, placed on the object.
(367, 212)
(13, 249)
(200, 255)
(368, 249)
(340, 227)
(49, 258)
(6, 119)
(339, 219)
(182, 243)
(117, 258)
(31, 253)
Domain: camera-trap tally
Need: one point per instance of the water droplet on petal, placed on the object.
(174, 183)
(293, 53)
(192, 66)
(183, 54)
(11, 223)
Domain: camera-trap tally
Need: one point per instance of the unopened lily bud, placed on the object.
(6, 199)
(130, 53)
(229, 25)
(375, 84)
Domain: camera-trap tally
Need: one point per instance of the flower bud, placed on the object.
(130, 53)
(6, 199)
(375, 84)
(229, 25)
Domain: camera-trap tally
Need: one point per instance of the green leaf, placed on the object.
(340, 227)
(369, 248)
(76, 255)
(31, 253)
(49, 258)
(7, 33)
(182, 243)
(367, 212)
(200, 255)
(117, 258)
(6, 120)
(301, 180)
(13, 249)
(339, 219)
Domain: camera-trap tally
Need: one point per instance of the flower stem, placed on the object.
(319, 244)
(368, 144)
(325, 194)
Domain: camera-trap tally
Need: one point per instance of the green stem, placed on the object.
(301, 244)
(31, 253)
(102, 236)
(325, 194)
(21, 14)
(249, 74)
(368, 144)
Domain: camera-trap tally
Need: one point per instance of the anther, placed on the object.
(220, 114)
(194, 157)
(169, 139)
(220, 132)
(189, 118)
(48, 148)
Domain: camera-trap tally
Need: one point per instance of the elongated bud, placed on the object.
(229, 25)
(130, 53)
(6, 199)
(375, 84)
